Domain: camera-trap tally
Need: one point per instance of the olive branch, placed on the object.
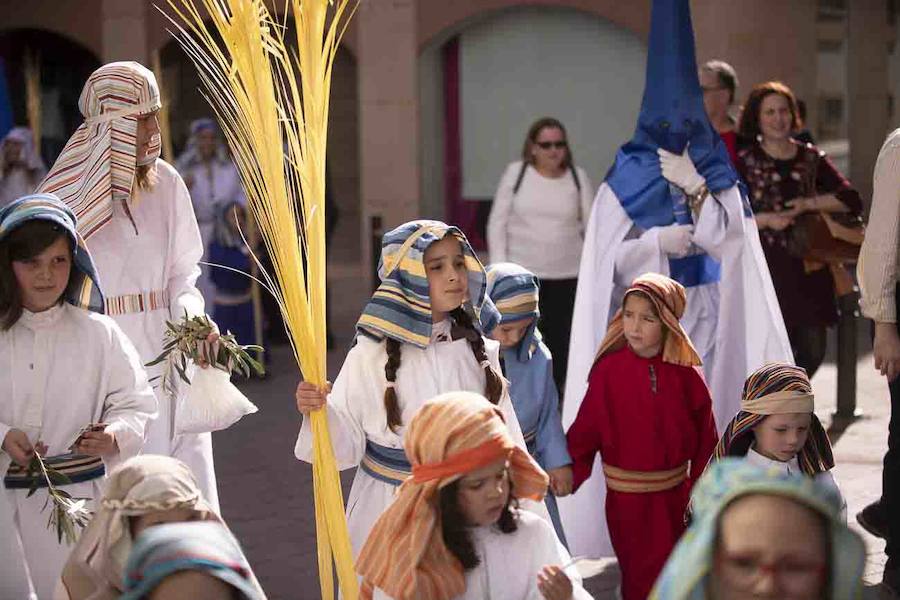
(67, 513)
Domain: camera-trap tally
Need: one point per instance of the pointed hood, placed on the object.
(672, 117)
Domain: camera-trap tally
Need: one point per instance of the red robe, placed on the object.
(643, 420)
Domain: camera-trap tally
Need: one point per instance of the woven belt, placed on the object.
(77, 467)
(233, 299)
(385, 464)
(644, 482)
(136, 303)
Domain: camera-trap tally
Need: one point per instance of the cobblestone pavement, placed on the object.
(266, 494)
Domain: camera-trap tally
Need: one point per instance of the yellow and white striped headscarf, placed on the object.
(451, 435)
(98, 163)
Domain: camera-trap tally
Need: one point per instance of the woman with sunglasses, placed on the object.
(538, 220)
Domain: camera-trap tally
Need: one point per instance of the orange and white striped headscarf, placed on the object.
(98, 163)
(451, 435)
(669, 299)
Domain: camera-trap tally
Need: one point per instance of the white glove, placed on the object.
(675, 240)
(679, 169)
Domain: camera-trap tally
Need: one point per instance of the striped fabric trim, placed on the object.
(644, 482)
(515, 293)
(136, 303)
(385, 464)
(77, 467)
(401, 307)
(98, 163)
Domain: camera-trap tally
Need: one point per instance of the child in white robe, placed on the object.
(416, 339)
(135, 214)
(64, 367)
(454, 530)
(777, 428)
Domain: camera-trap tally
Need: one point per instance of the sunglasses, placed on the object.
(547, 145)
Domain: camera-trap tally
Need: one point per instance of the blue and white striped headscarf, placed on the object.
(84, 286)
(514, 290)
(401, 306)
(686, 574)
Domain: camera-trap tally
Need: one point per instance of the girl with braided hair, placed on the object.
(416, 338)
(776, 427)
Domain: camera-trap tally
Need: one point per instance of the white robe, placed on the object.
(736, 324)
(162, 255)
(510, 562)
(60, 370)
(792, 467)
(356, 413)
(213, 185)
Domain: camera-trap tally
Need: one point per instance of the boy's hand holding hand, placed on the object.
(561, 480)
(554, 584)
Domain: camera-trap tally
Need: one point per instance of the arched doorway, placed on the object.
(64, 67)
(483, 83)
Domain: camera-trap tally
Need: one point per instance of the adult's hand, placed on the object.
(887, 350)
(679, 169)
(675, 240)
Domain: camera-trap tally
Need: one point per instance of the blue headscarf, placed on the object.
(84, 286)
(401, 306)
(206, 546)
(514, 291)
(685, 575)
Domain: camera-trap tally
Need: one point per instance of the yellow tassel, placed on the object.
(165, 132)
(272, 105)
(33, 95)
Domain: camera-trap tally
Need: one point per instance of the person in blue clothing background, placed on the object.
(528, 365)
(237, 308)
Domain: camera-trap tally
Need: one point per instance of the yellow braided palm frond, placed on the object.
(276, 126)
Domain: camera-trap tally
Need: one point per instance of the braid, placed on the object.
(391, 404)
(493, 388)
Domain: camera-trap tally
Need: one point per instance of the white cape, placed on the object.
(747, 332)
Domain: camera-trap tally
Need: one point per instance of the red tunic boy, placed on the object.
(648, 412)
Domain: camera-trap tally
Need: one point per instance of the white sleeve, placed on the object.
(185, 251)
(547, 550)
(716, 223)
(353, 390)
(587, 199)
(129, 400)
(640, 255)
(498, 221)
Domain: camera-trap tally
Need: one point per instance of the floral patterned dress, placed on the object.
(806, 298)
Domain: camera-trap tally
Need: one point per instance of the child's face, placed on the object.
(643, 328)
(483, 494)
(448, 277)
(769, 547)
(781, 437)
(43, 278)
(510, 334)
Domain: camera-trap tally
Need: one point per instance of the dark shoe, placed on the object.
(872, 519)
(890, 581)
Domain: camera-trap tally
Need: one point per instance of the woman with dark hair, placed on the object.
(454, 529)
(72, 388)
(787, 179)
(538, 220)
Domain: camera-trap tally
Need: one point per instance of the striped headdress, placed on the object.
(777, 388)
(98, 163)
(686, 574)
(401, 306)
(670, 300)
(514, 290)
(451, 435)
(84, 287)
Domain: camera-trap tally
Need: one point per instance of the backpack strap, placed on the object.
(520, 177)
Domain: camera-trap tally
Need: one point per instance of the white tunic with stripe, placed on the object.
(149, 276)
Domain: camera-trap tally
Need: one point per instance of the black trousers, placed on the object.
(809, 344)
(557, 301)
(890, 496)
